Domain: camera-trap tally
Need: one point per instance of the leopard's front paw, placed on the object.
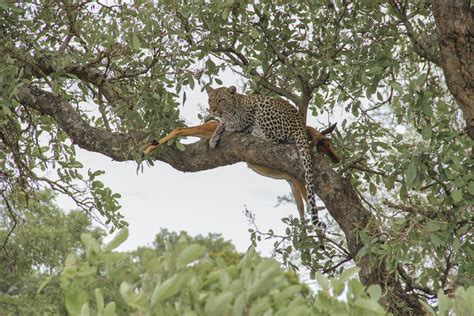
(213, 142)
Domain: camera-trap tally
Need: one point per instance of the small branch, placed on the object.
(419, 46)
(240, 60)
(411, 284)
(65, 44)
(334, 267)
(409, 209)
(449, 266)
(13, 217)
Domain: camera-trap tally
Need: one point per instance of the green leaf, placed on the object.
(411, 172)
(369, 305)
(86, 270)
(436, 240)
(427, 308)
(259, 306)
(74, 300)
(254, 32)
(397, 87)
(322, 281)
(167, 289)
(375, 69)
(119, 239)
(444, 304)
(135, 42)
(179, 146)
(190, 253)
(337, 287)
(99, 298)
(239, 305)
(219, 305)
(372, 188)
(225, 278)
(109, 310)
(375, 291)
(449, 174)
(85, 310)
(287, 293)
(457, 196)
(470, 189)
(44, 283)
(349, 273)
(426, 133)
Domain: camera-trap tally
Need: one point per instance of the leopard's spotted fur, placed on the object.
(269, 118)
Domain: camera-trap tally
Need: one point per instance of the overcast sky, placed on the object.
(211, 201)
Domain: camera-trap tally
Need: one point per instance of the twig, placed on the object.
(13, 217)
(411, 284)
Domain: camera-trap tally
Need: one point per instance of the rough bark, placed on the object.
(335, 191)
(455, 29)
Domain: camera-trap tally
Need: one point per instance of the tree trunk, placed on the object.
(455, 27)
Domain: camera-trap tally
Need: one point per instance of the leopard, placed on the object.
(269, 118)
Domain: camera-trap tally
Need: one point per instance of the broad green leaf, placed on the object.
(471, 187)
(445, 304)
(287, 293)
(457, 196)
(369, 305)
(109, 309)
(428, 309)
(85, 310)
(119, 239)
(411, 172)
(225, 278)
(75, 299)
(322, 281)
(99, 298)
(219, 305)
(135, 42)
(190, 254)
(426, 133)
(44, 283)
(375, 291)
(260, 306)
(167, 289)
(348, 273)
(239, 305)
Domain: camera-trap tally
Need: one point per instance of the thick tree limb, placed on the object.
(455, 26)
(335, 191)
(114, 145)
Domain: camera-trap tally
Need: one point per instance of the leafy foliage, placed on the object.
(124, 67)
(186, 280)
(180, 275)
(36, 252)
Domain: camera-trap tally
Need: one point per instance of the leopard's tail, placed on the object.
(306, 158)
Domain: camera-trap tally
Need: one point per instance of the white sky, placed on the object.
(200, 203)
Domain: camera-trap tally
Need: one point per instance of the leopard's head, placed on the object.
(221, 100)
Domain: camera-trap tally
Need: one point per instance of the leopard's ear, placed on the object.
(232, 89)
(209, 89)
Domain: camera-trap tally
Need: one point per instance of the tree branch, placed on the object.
(420, 46)
(240, 60)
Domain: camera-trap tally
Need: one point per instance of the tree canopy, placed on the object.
(401, 71)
